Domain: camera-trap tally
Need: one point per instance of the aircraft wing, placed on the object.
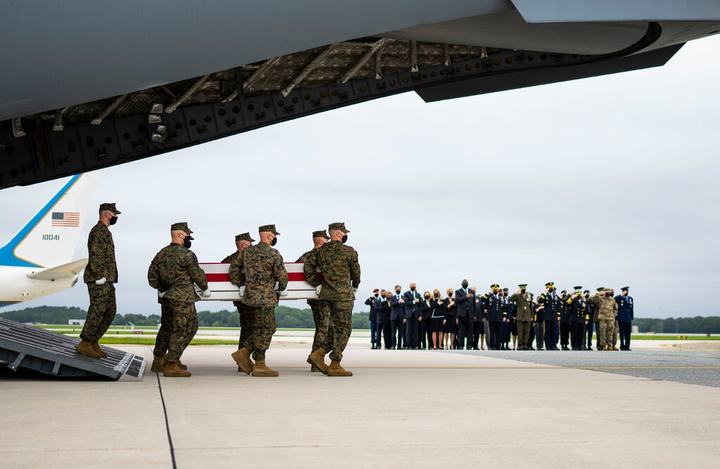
(64, 271)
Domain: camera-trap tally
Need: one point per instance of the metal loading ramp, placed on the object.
(31, 348)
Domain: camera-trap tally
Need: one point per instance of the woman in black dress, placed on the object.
(437, 319)
(424, 320)
(450, 320)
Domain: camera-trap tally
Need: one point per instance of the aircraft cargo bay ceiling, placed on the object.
(116, 82)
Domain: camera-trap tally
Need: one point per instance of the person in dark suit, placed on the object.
(424, 333)
(450, 320)
(565, 301)
(437, 320)
(625, 316)
(478, 327)
(397, 314)
(373, 318)
(383, 309)
(492, 305)
(464, 300)
(412, 312)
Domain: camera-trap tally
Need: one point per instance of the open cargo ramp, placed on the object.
(25, 347)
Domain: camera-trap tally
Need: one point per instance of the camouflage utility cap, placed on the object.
(268, 228)
(320, 234)
(111, 207)
(244, 237)
(182, 226)
(338, 226)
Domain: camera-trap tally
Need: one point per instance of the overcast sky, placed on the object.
(600, 182)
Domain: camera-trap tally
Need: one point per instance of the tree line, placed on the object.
(296, 318)
(286, 317)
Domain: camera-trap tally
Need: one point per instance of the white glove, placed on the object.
(354, 290)
(161, 294)
(101, 281)
(317, 289)
(283, 292)
(205, 293)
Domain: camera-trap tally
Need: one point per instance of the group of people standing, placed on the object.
(498, 320)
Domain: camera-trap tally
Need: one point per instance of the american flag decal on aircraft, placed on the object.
(66, 219)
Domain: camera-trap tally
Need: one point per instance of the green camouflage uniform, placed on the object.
(336, 268)
(259, 268)
(174, 271)
(101, 263)
(246, 319)
(321, 315)
(606, 312)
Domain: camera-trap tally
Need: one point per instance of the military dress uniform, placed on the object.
(625, 316)
(493, 307)
(321, 315)
(174, 272)
(578, 317)
(549, 306)
(523, 316)
(101, 265)
(259, 268)
(565, 323)
(336, 270)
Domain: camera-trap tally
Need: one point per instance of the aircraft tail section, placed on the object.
(51, 237)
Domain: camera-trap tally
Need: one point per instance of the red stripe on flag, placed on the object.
(292, 276)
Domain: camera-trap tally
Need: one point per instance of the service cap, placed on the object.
(578, 288)
(495, 285)
(523, 285)
(550, 284)
(111, 207)
(244, 237)
(625, 289)
(338, 225)
(320, 234)
(269, 229)
(181, 226)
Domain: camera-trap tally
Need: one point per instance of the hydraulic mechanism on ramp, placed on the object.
(28, 347)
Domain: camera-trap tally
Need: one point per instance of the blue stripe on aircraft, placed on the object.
(8, 303)
(7, 252)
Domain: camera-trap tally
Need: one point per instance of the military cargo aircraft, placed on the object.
(88, 84)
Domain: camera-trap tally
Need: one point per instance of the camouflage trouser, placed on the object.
(263, 329)
(616, 329)
(162, 341)
(605, 331)
(184, 327)
(323, 328)
(246, 326)
(341, 323)
(100, 313)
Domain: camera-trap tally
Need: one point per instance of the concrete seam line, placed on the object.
(167, 422)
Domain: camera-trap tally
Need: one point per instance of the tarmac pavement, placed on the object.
(401, 409)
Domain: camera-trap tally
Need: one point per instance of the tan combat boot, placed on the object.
(158, 364)
(262, 371)
(242, 358)
(314, 369)
(335, 369)
(86, 348)
(317, 359)
(99, 350)
(172, 370)
(181, 365)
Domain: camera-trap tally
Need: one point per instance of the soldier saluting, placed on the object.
(100, 277)
(335, 272)
(174, 272)
(259, 268)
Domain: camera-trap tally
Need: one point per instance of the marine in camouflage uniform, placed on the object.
(174, 272)
(606, 313)
(100, 276)
(321, 316)
(335, 270)
(242, 242)
(259, 268)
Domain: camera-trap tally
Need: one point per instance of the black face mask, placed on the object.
(522, 291)
(412, 289)
(397, 292)
(113, 220)
(273, 242)
(376, 295)
(344, 239)
(464, 284)
(427, 297)
(187, 243)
